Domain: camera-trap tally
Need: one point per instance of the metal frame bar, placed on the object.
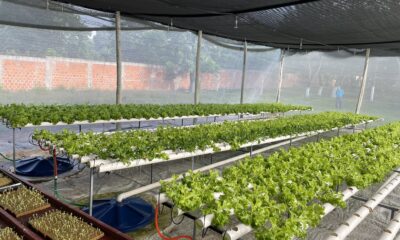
(14, 151)
(118, 56)
(278, 93)
(197, 76)
(91, 192)
(363, 81)
(243, 71)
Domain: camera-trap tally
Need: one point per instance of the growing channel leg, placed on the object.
(91, 191)
(13, 143)
(194, 230)
(338, 131)
(151, 173)
(192, 163)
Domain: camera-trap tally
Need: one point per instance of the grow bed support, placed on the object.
(112, 165)
(352, 222)
(13, 147)
(156, 185)
(392, 209)
(392, 229)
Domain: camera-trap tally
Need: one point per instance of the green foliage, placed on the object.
(143, 144)
(19, 115)
(289, 187)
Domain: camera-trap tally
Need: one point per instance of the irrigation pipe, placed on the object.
(352, 222)
(392, 229)
(155, 185)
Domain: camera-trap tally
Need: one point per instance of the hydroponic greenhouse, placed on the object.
(172, 119)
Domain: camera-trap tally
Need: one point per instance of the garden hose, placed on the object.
(56, 194)
(6, 158)
(160, 234)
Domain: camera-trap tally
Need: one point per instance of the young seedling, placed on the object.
(4, 180)
(58, 225)
(23, 201)
(8, 234)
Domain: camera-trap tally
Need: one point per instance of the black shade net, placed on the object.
(324, 24)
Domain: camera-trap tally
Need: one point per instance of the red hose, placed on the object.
(42, 148)
(161, 235)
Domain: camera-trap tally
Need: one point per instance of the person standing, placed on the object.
(339, 97)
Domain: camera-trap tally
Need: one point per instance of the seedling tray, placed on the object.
(58, 225)
(23, 201)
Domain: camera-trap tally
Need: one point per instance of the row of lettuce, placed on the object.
(143, 144)
(290, 186)
(19, 115)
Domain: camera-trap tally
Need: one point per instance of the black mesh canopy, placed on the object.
(324, 24)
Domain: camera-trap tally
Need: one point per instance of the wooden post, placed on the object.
(197, 80)
(363, 81)
(278, 94)
(243, 72)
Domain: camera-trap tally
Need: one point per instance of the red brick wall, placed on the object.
(69, 75)
(20, 73)
(104, 76)
(23, 74)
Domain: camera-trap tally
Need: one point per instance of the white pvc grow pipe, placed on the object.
(122, 120)
(117, 165)
(393, 228)
(348, 193)
(352, 222)
(113, 165)
(240, 230)
(155, 185)
(237, 232)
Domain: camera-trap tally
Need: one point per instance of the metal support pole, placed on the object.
(211, 159)
(80, 128)
(139, 125)
(197, 80)
(338, 131)
(192, 163)
(14, 153)
(151, 173)
(118, 59)
(278, 94)
(243, 71)
(91, 191)
(251, 151)
(118, 54)
(363, 81)
(194, 230)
